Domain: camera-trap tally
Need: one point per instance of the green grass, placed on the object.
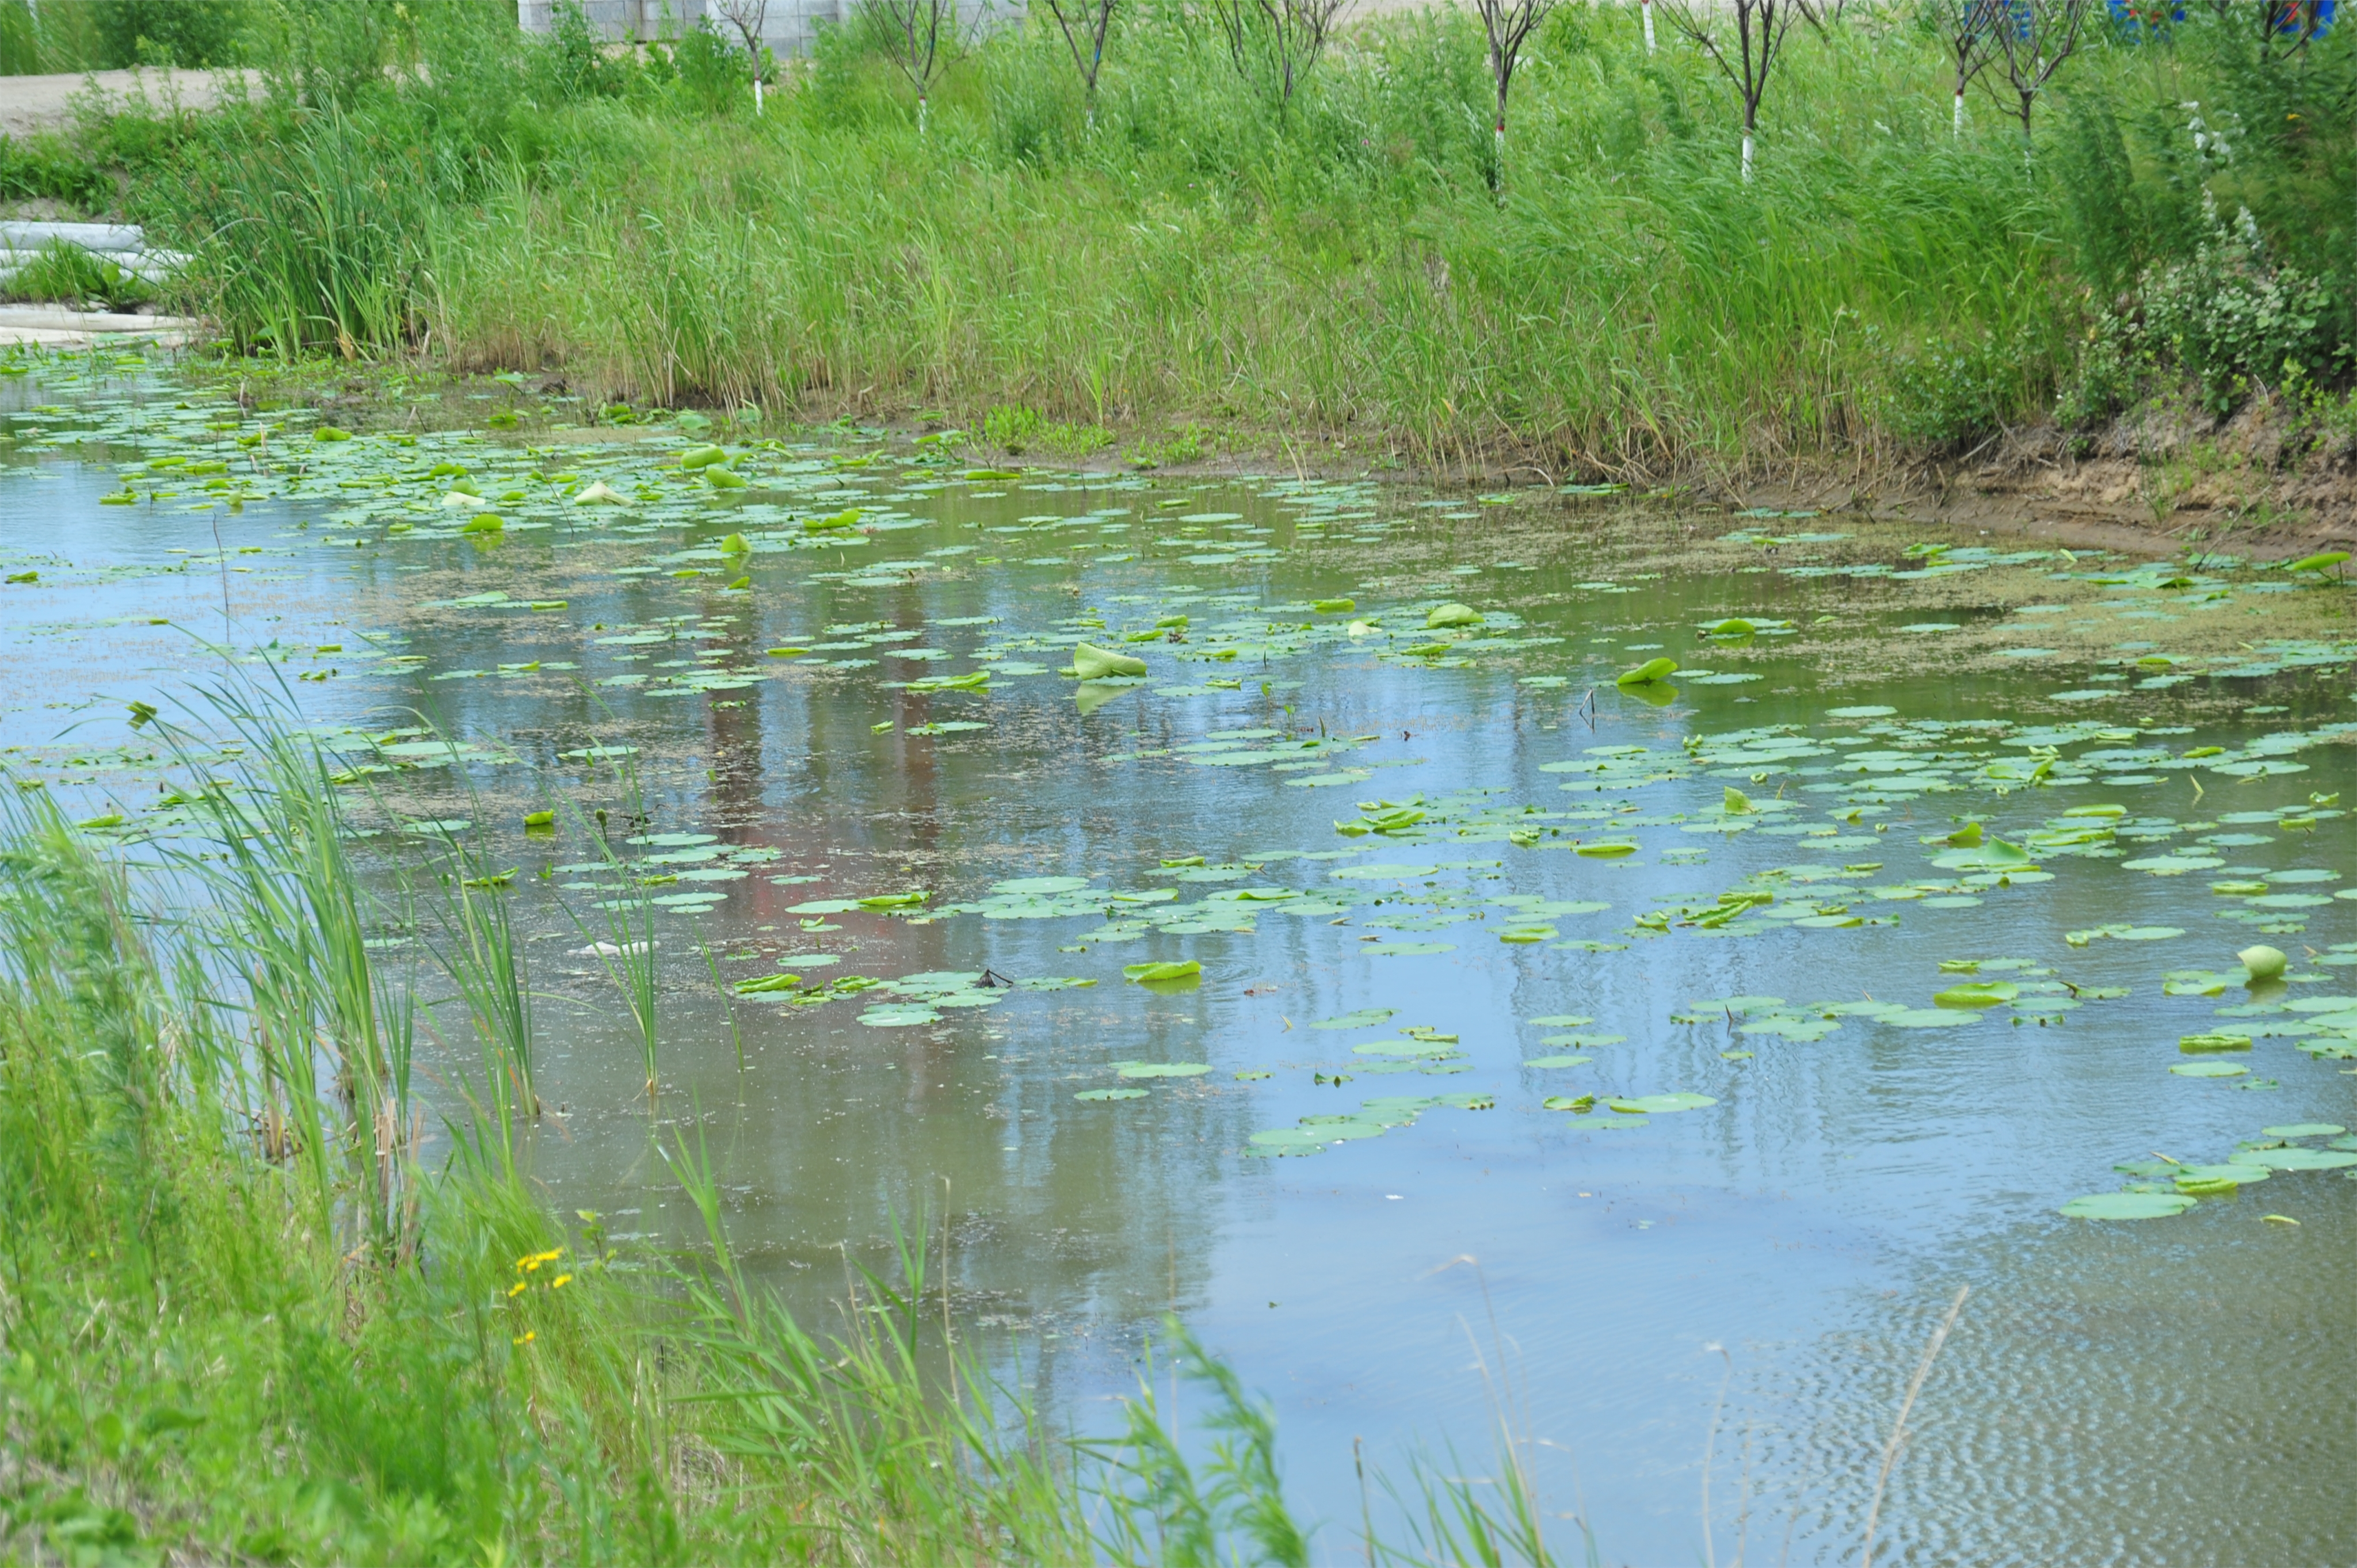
(242, 1318)
(1611, 298)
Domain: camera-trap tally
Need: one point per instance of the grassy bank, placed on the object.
(250, 1310)
(1599, 291)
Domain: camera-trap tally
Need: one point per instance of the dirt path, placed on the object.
(30, 104)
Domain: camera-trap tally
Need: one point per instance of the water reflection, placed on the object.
(2131, 1394)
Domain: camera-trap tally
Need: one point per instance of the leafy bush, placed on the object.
(1949, 395)
(50, 167)
(2229, 319)
(2110, 370)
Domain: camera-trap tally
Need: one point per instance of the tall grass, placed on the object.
(1180, 254)
(240, 1319)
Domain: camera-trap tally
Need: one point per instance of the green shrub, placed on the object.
(2229, 319)
(47, 166)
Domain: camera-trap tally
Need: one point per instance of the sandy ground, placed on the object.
(34, 103)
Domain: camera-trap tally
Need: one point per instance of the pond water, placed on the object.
(1659, 1057)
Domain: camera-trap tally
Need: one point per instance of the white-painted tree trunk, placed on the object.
(1746, 157)
(1646, 8)
(757, 95)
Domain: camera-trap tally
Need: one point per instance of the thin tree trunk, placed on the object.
(1646, 8)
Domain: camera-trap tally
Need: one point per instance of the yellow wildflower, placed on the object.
(516, 1289)
(524, 1338)
(559, 1281)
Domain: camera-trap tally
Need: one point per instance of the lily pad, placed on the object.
(1977, 994)
(2128, 1206)
(2210, 1070)
(1094, 663)
(1650, 672)
(1360, 1019)
(1661, 1104)
(2295, 1158)
(1163, 1069)
(1101, 1094)
(1147, 974)
(2245, 1174)
(898, 1017)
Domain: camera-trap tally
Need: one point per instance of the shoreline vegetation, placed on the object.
(1359, 249)
(243, 1318)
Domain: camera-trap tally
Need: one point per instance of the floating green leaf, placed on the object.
(1661, 1104)
(899, 1016)
(2127, 1206)
(1360, 1019)
(1650, 672)
(1927, 1017)
(2263, 962)
(2295, 1158)
(1094, 663)
(1184, 969)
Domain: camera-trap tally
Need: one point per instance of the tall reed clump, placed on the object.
(241, 1317)
(306, 231)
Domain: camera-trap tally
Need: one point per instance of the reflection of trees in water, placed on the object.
(836, 1128)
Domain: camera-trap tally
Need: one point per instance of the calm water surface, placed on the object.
(1342, 814)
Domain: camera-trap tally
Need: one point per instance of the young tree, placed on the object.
(1744, 38)
(1509, 23)
(1274, 43)
(1089, 21)
(2293, 24)
(1970, 29)
(915, 34)
(2033, 39)
(748, 18)
(1823, 16)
